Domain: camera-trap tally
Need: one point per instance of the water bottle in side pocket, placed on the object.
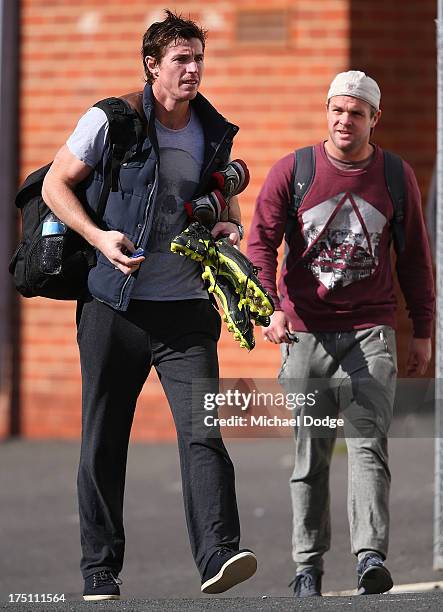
(51, 244)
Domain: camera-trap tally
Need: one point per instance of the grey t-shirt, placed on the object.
(163, 276)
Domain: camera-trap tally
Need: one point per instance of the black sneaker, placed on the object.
(226, 568)
(307, 583)
(237, 319)
(197, 243)
(373, 577)
(101, 585)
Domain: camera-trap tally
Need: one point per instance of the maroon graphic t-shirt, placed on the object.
(337, 273)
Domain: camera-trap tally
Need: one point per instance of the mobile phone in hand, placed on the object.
(137, 253)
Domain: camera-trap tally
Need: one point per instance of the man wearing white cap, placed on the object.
(335, 319)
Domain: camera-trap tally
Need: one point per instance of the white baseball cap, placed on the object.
(356, 84)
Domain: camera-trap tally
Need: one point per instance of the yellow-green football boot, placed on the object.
(237, 318)
(197, 242)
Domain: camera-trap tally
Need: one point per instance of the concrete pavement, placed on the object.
(39, 528)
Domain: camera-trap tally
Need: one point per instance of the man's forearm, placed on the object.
(67, 207)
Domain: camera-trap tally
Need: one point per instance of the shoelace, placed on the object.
(224, 550)
(213, 244)
(243, 295)
(103, 578)
(254, 270)
(306, 579)
(370, 560)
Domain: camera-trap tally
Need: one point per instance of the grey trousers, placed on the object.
(357, 375)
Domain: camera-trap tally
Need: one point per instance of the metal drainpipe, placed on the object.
(9, 160)
(438, 493)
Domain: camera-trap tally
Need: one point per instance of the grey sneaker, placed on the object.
(224, 184)
(373, 577)
(207, 209)
(307, 583)
(233, 179)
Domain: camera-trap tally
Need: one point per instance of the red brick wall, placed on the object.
(397, 46)
(73, 54)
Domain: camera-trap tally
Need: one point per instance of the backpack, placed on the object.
(57, 266)
(395, 181)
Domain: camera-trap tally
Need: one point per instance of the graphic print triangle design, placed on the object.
(342, 236)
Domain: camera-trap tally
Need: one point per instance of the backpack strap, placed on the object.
(396, 184)
(126, 130)
(302, 177)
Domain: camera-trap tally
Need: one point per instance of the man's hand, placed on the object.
(276, 331)
(116, 246)
(420, 352)
(226, 228)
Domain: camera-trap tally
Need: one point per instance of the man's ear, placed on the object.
(375, 119)
(152, 66)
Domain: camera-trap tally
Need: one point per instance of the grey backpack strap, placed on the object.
(302, 177)
(396, 184)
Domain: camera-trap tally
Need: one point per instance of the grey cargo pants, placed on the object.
(359, 369)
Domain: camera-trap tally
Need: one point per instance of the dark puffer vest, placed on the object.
(130, 210)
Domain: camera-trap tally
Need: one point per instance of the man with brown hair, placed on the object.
(149, 307)
(335, 318)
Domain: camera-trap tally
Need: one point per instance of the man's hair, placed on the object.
(161, 33)
(372, 109)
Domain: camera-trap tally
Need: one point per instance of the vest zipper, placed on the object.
(140, 236)
(222, 141)
(147, 210)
